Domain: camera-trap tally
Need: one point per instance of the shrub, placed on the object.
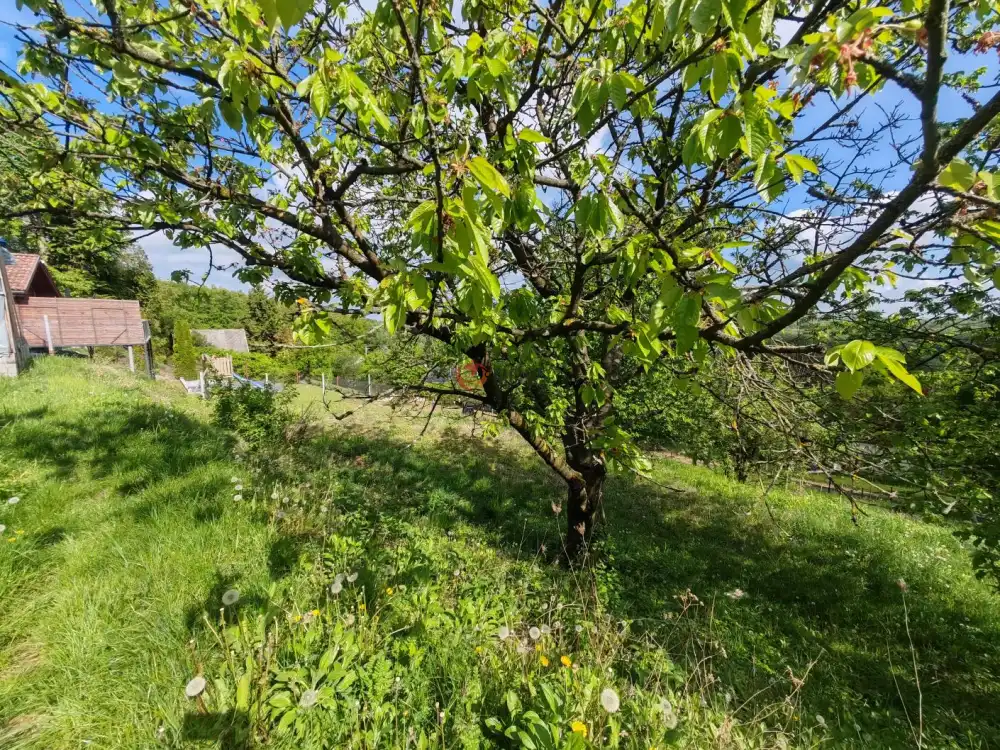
(259, 416)
(185, 364)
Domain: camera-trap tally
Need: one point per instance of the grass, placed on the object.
(110, 598)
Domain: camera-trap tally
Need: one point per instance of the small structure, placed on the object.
(41, 318)
(228, 339)
(12, 352)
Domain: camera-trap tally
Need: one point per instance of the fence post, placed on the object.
(322, 376)
(267, 377)
(48, 335)
(131, 358)
(201, 382)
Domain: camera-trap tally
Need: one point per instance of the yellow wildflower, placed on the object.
(362, 608)
(544, 660)
(315, 613)
(479, 649)
(579, 727)
(298, 618)
(538, 647)
(12, 539)
(388, 591)
(20, 531)
(566, 661)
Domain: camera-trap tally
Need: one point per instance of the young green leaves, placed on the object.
(857, 355)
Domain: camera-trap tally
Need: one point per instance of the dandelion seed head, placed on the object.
(352, 577)
(349, 620)
(578, 628)
(503, 633)
(231, 597)
(610, 701)
(820, 720)
(235, 480)
(195, 687)
(2, 528)
(308, 699)
(237, 497)
(339, 578)
(13, 500)
(736, 594)
(238, 488)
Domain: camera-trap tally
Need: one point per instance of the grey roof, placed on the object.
(230, 339)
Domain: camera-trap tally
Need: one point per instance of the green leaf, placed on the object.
(532, 136)
(847, 383)
(729, 133)
(269, 10)
(706, 15)
(618, 91)
(857, 354)
(797, 165)
(488, 176)
(901, 373)
(735, 11)
(958, 175)
(720, 77)
(319, 97)
(292, 11)
(474, 43)
(231, 115)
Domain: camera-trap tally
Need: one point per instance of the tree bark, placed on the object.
(584, 502)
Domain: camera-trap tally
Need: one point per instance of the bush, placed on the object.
(259, 416)
(185, 364)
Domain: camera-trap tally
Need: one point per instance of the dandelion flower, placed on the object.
(352, 577)
(566, 661)
(308, 699)
(544, 660)
(231, 597)
(13, 500)
(579, 728)
(503, 633)
(237, 497)
(195, 687)
(388, 591)
(11, 540)
(315, 613)
(336, 587)
(19, 531)
(479, 649)
(610, 701)
(535, 633)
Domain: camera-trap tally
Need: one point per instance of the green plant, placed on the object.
(185, 363)
(258, 415)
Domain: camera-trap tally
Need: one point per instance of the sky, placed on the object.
(166, 258)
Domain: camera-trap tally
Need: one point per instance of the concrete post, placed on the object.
(131, 358)
(48, 335)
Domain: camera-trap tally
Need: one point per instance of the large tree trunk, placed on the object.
(584, 502)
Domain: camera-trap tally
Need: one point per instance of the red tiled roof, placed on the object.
(20, 274)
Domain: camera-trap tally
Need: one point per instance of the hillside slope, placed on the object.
(755, 626)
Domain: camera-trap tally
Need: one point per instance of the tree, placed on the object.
(185, 363)
(552, 192)
(98, 259)
(267, 321)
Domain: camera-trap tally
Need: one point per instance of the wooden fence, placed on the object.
(53, 322)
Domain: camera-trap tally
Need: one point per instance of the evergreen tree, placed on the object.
(266, 320)
(185, 364)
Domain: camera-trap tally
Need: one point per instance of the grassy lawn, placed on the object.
(770, 624)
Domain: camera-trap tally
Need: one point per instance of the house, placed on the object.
(28, 276)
